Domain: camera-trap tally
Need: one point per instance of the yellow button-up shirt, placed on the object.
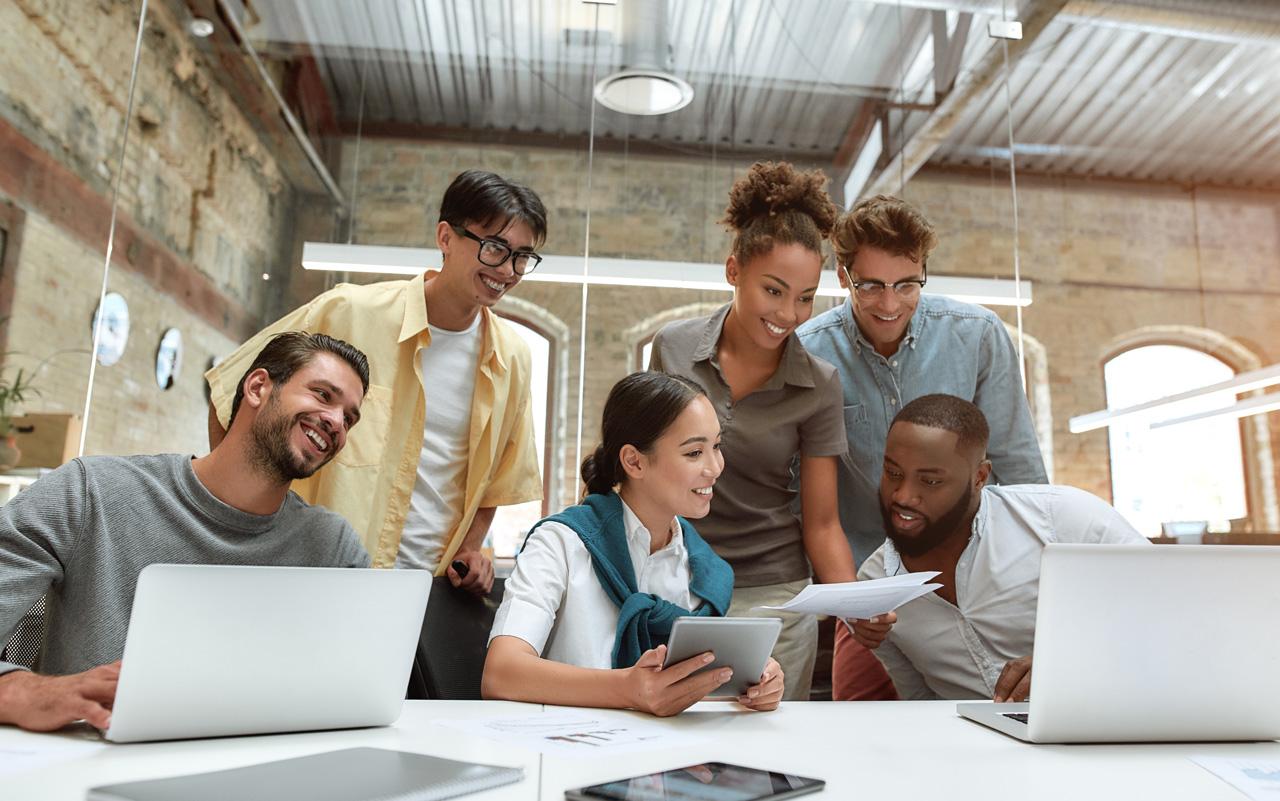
(371, 480)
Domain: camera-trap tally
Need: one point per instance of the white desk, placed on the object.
(69, 781)
(918, 750)
(871, 751)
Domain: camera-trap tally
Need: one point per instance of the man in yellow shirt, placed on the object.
(446, 433)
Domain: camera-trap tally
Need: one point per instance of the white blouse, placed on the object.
(554, 601)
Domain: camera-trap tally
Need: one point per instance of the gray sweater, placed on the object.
(85, 531)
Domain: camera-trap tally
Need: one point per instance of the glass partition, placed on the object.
(76, 185)
(1107, 179)
(1146, 152)
(397, 99)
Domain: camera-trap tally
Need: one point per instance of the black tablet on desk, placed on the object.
(711, 781)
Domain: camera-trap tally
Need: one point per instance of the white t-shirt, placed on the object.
(555, 602)
(449, 382)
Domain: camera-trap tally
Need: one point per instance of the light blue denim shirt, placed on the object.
(950, 347)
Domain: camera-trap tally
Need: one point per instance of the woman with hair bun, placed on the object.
(586, 615)
(776, 404)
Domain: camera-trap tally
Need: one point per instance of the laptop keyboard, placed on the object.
(1021, 717)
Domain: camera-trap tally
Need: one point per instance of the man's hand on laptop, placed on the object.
(478, 575)
(871, 632)
(46, 703)
(1014, 683)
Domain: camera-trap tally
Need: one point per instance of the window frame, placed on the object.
(1246, 454)
(549, 444)
(12, 221)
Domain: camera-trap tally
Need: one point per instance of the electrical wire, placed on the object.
(100, 318)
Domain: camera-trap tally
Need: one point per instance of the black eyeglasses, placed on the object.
(907, 289)
(494, 253)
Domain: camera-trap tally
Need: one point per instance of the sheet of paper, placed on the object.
(36, 752)
(860, 599)
(1259, 779)
(575, 733)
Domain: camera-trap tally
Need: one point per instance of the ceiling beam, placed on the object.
(851, 144)
(948, 50)
(855, 136)
(305, 90)
(969, 89)
(607, 143)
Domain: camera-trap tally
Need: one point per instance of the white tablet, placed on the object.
(740, 643)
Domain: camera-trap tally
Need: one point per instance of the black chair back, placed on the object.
(453, 644)
(23, 647)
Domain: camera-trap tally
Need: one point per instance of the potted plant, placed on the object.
(12, 393)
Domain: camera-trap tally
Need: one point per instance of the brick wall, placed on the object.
(1109, 258)
(204, 212)
(202, 189)
(130, 413)
(1106, 258)
(641, 207)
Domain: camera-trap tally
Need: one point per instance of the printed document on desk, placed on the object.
(578, 733)
(1258, 779)
(38, 750)
(860, 599)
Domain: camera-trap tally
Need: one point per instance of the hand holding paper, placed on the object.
(860, 599)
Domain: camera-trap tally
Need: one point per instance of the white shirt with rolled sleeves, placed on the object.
(937, 650)
(554, 602)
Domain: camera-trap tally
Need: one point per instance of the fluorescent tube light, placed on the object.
(1259, 404)
(385, 260)
(1244, 382)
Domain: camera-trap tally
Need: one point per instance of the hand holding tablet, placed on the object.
(668, 688)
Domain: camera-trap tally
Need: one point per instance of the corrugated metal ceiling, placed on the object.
(1102, 101)
(1089, 98)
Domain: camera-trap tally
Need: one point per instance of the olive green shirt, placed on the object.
(797, 412)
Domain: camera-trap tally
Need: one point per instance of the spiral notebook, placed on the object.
(353, 774)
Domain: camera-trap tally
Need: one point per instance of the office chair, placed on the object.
(453, 643)
(23, 647)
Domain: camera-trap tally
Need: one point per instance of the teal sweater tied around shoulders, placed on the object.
(644, 619)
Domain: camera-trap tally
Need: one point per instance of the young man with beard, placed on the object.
(83, 533)
(448, 421)
(972, 637)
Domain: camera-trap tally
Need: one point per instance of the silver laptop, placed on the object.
(1149, 644)
(216, 650)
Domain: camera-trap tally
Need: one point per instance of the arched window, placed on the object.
(1037, 369)
(512, 522)
(644, 349)
(641, 334)
(1192, 471)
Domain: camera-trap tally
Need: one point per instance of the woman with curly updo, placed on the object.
(778, 406)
